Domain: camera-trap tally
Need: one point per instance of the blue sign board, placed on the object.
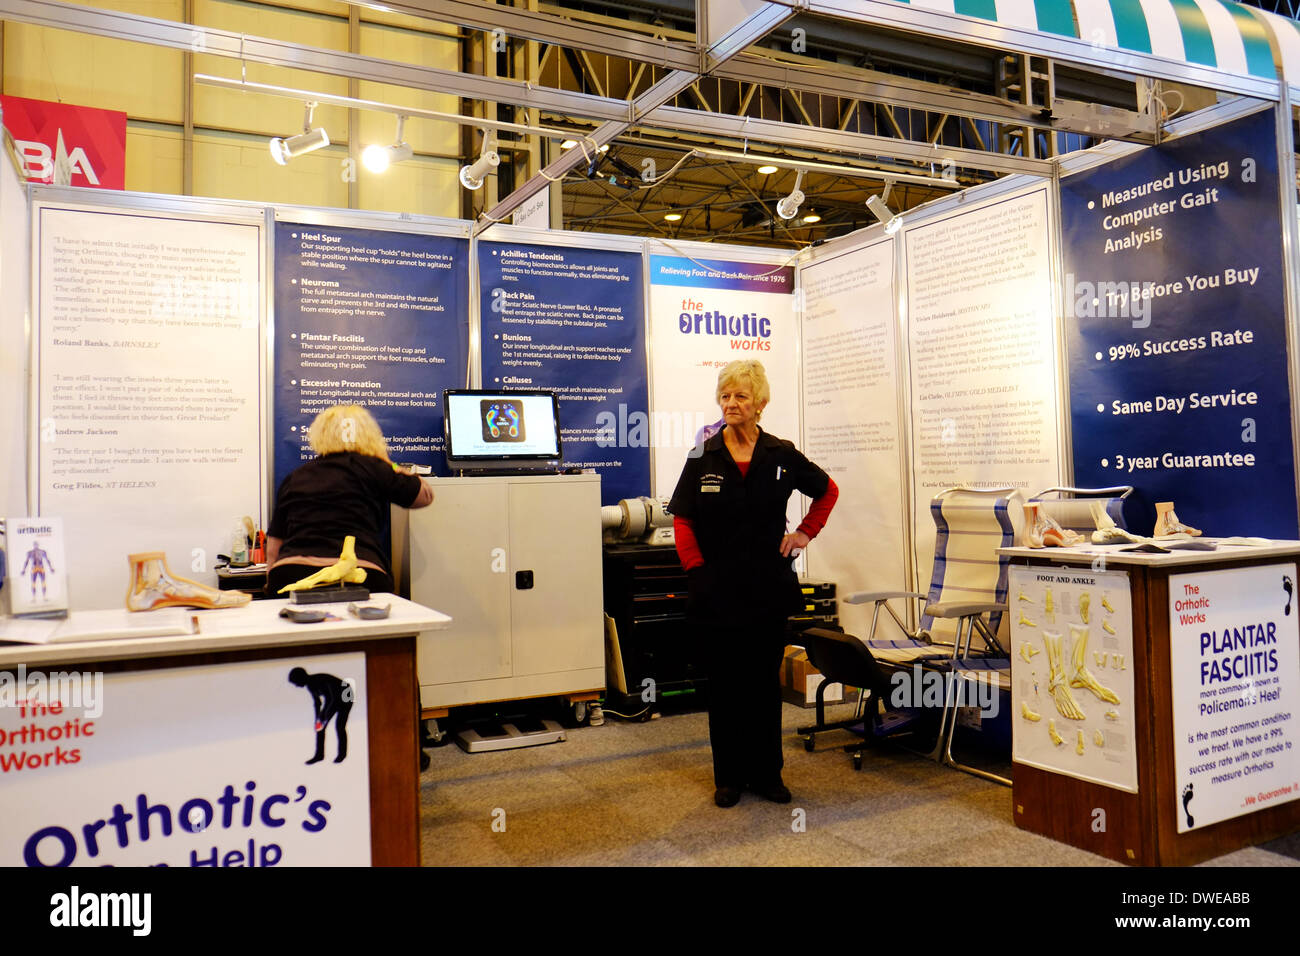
(1175, 322)
(372, 318)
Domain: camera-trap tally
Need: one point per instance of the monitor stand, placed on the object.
(515, 472)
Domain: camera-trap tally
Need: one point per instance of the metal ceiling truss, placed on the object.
(658, 82)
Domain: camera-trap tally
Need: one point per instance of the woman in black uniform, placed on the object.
(729, 515)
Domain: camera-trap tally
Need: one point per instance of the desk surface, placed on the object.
(105, 635)
(1115, 556)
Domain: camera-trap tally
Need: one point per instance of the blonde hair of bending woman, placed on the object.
(741, 372)
(347, 428)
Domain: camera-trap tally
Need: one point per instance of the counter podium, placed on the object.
(1156, 698)
(253, 742)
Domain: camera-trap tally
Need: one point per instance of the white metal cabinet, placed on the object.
(468, 556)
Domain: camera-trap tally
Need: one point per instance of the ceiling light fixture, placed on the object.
(472, 176)
(788, 207)
(767, 170)
(378, 158)
(887, 217)
(284, 149)
(673, 217)
(811, 218)
(857, 172)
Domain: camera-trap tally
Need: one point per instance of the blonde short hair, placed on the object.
(347, 428)
(745, 371)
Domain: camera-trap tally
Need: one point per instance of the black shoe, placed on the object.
(776, 792)
(726, 796)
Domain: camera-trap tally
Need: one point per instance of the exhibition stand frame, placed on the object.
(1132, 318)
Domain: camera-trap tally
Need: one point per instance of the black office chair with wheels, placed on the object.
(843, 659)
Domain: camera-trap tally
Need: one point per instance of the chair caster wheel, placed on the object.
(808, 744)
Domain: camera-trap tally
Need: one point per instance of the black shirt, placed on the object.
(333, 496)
(739, 521)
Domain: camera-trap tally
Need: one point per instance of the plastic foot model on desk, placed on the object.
(1167, 523)
(342, 571)
(153, 586)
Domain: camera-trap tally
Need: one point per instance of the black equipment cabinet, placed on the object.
(645, 594)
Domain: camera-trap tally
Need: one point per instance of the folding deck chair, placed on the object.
(967, 595)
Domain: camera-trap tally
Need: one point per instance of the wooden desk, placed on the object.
(212, 724)
(1143, 827)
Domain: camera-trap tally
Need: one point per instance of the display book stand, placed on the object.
(1143, 827)
(516, 561)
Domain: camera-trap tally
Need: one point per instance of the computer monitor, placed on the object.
(495, 429)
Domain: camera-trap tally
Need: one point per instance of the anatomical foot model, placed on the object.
(1080, 676)
(1056, 683)
(1107, 531)
(344, 570)
(1167, 523)
(154, 586)
(1042, 531)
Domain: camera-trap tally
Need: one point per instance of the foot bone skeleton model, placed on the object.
(344, 570)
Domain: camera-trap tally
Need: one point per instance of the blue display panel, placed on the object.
(1175, 322)
(573, 321)
(372, 318)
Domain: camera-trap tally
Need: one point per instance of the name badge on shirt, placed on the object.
(710, 484)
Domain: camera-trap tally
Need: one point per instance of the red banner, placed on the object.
(67, 145)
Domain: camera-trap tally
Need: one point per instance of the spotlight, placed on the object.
(788, 207)
(378, 158)
(472, 176)
(882, 212)
(284, 149)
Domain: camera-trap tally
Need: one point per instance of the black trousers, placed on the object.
(743, 665)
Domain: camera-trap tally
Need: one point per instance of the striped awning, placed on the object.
(1211, 33)
(1286, 33)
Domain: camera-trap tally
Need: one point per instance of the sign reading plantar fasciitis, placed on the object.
(1235, 673)
(257, 763)
(705, 314)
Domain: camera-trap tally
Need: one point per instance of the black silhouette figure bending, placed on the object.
(1290, 592)
(331, 698)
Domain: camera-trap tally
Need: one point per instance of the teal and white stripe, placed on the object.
(1212, 33)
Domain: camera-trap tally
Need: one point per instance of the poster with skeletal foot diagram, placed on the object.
(1072, 674)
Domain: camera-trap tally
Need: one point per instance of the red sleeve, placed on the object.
(688, 549)
(820, 510)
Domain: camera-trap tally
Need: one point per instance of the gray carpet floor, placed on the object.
(641, 794)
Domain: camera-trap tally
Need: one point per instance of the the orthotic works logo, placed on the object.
(131, 910)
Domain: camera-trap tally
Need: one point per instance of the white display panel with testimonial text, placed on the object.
(981, 353)
(147, 423)
(851, 420)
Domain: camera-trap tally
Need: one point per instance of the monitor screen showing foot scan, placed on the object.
(484, 427)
